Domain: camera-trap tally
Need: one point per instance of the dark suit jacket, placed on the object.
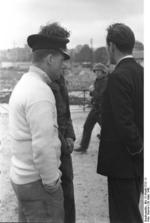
(120, 153)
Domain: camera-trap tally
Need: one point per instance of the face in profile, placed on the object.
(99, 73)
(56, 66)
(65, 68)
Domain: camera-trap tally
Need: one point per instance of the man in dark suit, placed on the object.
(121, 146)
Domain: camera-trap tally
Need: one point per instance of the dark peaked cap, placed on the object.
(38, 41)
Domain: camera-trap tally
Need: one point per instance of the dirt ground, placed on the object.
(90, 188)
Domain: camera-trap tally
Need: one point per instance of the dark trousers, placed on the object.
(39, 205)
(68, 188)
(92, 119)
(124, 197)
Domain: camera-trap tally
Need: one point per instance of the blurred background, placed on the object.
(87, 21)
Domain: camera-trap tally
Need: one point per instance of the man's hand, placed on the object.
(53, 187)
(70, 144)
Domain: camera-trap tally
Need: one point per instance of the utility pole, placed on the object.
(92, 56)
(15, 54)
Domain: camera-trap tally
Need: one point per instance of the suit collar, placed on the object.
(124, 60)
(127, 56)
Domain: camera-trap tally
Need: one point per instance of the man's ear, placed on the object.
(112, 47)
(49, 58)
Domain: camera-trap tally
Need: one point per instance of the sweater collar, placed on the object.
(40, 73)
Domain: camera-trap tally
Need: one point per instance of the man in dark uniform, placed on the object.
(65, 128)
(67, 137)
(121, 147)
(94, 115)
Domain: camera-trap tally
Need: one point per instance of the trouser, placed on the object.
(92, 119)
(124, 197)
(39, 205)
(68, 188)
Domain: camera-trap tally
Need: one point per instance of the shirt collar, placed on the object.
(127, 56)
(40, 73)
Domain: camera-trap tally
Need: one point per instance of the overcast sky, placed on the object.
(85, 19)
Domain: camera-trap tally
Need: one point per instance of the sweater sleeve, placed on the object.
(41, 117)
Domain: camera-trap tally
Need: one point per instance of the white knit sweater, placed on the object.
(33, 129)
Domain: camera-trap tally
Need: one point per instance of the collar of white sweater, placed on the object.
(41, 74)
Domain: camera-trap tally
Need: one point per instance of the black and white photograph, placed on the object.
(73, 141)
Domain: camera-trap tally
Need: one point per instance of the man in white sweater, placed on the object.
(35, 173)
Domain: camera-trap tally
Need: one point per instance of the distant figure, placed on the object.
(94, 115)
(121, 146)
(67, 137)
(36, 147)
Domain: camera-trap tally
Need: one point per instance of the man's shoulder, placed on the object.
(119, 75)
(129, 65)
(122, 70)
(32, 90)
(126, 73)
(36, 84)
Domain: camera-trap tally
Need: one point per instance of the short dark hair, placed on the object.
(39, 55)
(122, 36)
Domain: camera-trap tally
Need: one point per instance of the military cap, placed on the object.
(39, 41)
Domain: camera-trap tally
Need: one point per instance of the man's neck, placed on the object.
(123, 56)
(43, 72)
(38, 65)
